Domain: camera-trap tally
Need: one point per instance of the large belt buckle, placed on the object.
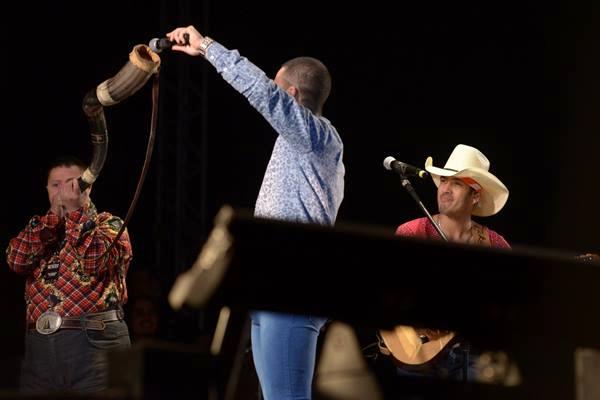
(49, 322)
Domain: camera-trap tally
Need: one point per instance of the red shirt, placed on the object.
(423, 228)
(84, 283)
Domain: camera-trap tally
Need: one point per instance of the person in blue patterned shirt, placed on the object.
(304, 182)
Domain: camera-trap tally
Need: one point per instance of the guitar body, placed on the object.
(413, 347)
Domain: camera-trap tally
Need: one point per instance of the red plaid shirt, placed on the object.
(84, 283)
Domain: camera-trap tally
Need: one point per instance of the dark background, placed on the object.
(518, 81)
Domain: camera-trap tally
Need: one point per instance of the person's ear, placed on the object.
(476, 198)
(293, 91)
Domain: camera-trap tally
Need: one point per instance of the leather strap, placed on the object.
(95, 321)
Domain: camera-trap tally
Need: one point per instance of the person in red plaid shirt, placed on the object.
(74, 290)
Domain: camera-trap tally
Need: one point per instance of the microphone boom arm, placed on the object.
(408, 186)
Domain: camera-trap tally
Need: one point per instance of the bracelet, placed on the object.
(205, 42)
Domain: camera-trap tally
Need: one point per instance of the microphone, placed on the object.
(390, 163)
(157, 45)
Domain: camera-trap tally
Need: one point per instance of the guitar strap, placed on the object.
(481, 235)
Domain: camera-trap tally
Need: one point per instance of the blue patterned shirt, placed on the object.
(304, 181)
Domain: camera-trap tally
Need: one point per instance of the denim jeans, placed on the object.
(284, 350)
(70, 359)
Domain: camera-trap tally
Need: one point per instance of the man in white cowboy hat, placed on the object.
(466, 188)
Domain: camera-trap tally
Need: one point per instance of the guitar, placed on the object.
(410, 346)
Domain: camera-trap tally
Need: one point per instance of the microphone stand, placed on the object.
(408, 186)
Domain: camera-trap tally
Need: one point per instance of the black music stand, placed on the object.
(531, 302)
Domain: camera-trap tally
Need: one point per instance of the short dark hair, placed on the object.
(312, 79)
(65, 161)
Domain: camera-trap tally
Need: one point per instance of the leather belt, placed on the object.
(95, 321)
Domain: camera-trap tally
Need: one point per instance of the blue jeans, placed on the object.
(70, 359)
(284, 349)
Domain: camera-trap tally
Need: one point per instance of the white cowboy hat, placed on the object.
(468, 162)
